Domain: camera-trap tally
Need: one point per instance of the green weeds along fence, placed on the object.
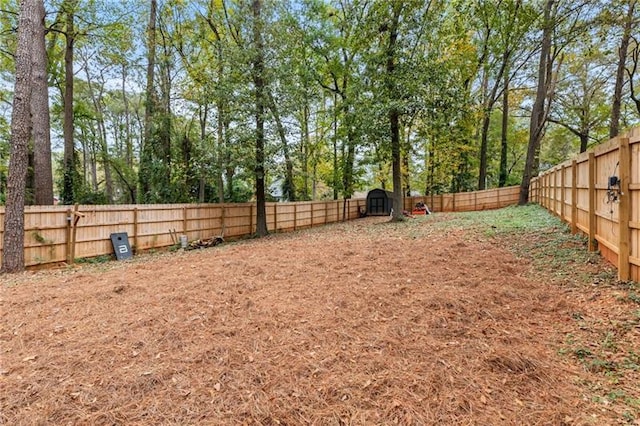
(55, 234)
(598, 193)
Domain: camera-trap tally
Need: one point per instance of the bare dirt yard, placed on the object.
(449, 319)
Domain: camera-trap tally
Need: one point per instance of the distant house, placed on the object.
(275, 190)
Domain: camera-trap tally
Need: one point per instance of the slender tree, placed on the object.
(13, 253)
(147, 151)
(394, 114)
(614, 125)
(631, 73)
(257, 72)
(69, 171)
(503, 20)
(539, 111)
(43, 175)
(289, 185)
(504, 140)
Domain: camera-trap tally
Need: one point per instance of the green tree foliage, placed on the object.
(415, 96)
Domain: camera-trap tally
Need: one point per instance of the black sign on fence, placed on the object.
(121, 246)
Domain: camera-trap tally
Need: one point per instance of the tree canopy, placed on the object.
(198, 101)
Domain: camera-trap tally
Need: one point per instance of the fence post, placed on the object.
(250, 218)
(547, 190)
(624, 211)
(562, 192)
(311, 206)
(326, 212)
(574, 197)
(68, 236)
(74, 232)
(592, 201)
(275, 218)
(222, 220)
(184, 220)
(552, 192)
(295, 216)
(135, 229)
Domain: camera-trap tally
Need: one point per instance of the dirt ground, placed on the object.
(360, 323)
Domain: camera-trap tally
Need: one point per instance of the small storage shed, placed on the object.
(379, 202)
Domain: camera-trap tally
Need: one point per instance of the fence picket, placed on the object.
(604, 212)
(61, 239)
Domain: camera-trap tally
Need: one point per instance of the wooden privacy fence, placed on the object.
(581, 193)
(467, 201)
(63, 233)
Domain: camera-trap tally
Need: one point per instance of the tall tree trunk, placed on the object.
(335, 147)
(127, 118)
(614, 125)
(221, 147)
(584, 140)
(221, 104)
(484, 128)
(259, 86)
(348, 151)
(538, 112)
(504, 141)
(306, 148)
(147, 151)
(406, 153)
(220, 151)
(484, 142)
(164, 136)
(203, 116)
(69, 174)
(490, 101)
(13, 252)
(229, 168)
(96, 99)
(394, 114)
(40, 114)
(289, 185)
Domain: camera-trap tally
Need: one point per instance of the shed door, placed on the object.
(376, 205)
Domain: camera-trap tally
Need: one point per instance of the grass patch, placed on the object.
(95, 260)
(532, 233)
(601, 339)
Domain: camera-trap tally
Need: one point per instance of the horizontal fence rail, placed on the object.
(55, 234)
(583, 193)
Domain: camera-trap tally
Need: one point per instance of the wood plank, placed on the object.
(624, 211)
(562, 194)
(592, 202)
(574, 197)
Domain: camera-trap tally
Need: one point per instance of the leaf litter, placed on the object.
(367, 322)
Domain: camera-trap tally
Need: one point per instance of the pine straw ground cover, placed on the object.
(486, 318)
